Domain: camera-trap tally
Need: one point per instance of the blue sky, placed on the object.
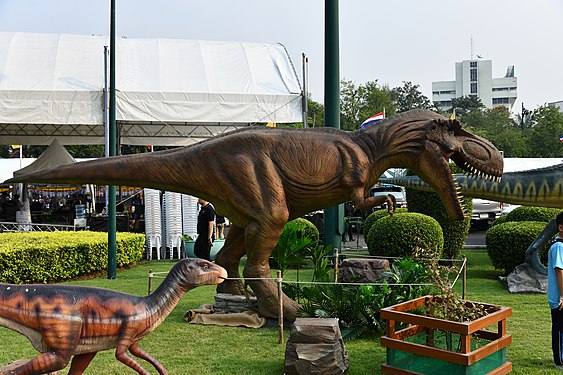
(388, 41)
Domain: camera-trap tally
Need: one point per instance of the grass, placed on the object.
(186, 348)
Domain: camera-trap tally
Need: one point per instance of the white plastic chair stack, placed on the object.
(153, 225)
(173, 218)
(189, 215)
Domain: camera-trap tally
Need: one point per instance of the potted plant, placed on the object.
(189, 243)
(443, 334)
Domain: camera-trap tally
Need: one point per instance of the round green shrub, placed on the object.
(374, 216)
(507, 243)
(500, 220)
(399, 235)
(455, 231)
(530, 213)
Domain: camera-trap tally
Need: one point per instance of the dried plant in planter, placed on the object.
(447, 304)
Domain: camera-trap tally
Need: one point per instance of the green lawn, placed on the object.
(191, 349)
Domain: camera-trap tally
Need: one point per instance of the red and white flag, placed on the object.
(373, 119)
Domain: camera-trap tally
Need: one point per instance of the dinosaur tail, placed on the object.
(159, 170)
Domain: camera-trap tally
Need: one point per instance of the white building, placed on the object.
(475, 78)
(558, 104)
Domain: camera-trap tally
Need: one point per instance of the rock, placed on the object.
(524, 279)
(234, 303)
(315, 347)
(362, 270)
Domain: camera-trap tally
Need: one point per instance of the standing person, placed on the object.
(205, 224)
(220, 223)
(555, 293)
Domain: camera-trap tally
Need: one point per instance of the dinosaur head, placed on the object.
(195, 272)
(445, 139)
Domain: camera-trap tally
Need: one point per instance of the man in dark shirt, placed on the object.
(205, 223)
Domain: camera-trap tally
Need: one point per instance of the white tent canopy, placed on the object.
(54, 156)
(168, 91)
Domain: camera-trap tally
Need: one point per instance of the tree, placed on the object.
(361, 102)
(544, 136)
(466, 104)
(409, 97)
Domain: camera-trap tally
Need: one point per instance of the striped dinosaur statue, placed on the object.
(260, 178)
(535, 187)
(64, 321)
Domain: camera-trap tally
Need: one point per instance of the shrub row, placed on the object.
(40, 257)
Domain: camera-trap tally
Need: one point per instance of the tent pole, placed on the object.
(112, 220)
(305, 88)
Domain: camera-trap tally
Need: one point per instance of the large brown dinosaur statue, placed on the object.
(262, 177)
(63, 321)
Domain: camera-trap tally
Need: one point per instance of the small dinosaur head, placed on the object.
(445, 139)
(195, 272)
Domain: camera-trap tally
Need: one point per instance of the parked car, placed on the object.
(485, 212)
(397, 191)
(508, 208)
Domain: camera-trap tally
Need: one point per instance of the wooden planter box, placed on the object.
(426, 346)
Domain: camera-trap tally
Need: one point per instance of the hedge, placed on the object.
(400, 234)
(507, 243)
(40, 257)
(376, 215)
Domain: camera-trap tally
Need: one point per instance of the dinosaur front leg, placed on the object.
(363, 203)
(80, 362)
(260, 242)
(229, 258)
(138, 352)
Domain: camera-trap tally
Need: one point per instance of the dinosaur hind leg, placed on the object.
(260, 242)
(124, 344)
(138, 352)
(80, 362)
(229, 258)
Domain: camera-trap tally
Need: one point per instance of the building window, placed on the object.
(499, 101)
(473, 75)
(473, 64)
(474, 87)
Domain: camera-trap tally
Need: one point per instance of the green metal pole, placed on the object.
(112, 244)
(333, 215)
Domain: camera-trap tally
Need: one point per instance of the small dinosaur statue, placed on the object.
(261, 177)
(63, 321)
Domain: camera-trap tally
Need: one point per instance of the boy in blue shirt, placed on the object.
(555, 293)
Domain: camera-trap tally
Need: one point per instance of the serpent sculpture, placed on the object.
(534, 187)
(262, 177)
(64, 321)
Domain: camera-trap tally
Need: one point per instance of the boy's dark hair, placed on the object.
(559, 218)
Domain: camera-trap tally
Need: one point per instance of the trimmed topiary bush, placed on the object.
(530, 213)
(507, 243)
(500, 220)
(296, 238)
(398, 235)
(454, 232)
(374, 216)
